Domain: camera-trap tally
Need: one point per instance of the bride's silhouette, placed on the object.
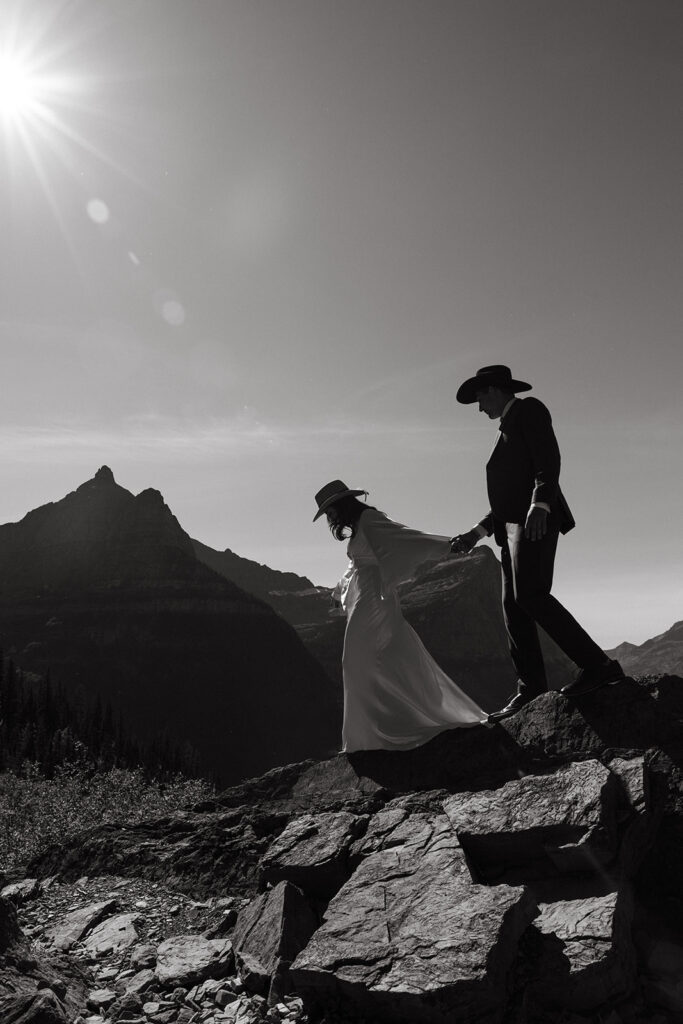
(395, 695)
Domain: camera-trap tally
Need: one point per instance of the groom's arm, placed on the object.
(464, 542)
(539, 438)
(536, 427)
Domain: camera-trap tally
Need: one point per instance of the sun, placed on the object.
(20, 89)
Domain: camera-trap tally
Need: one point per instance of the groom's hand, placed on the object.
(536, 524)
(464, 542)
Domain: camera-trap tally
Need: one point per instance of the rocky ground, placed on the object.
(143, 953)
(529, 873)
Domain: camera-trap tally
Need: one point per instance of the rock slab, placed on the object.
(269, 934)
(540, 824)
(71, 929)
(115, 933)
(589, 956)
(313, 852)
(409, 938)
(188, 959)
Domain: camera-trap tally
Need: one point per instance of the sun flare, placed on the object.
(20, 89)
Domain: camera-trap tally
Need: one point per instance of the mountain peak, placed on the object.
(104, 476)
(102, 480)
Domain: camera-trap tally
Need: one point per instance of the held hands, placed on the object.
(464, 542)
(536, 523)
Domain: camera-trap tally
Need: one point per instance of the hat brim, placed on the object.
(467, 392)
(336, 497)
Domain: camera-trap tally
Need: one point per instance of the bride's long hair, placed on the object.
(348, 514)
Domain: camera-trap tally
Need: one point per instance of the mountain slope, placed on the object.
(453, 605)
(293, 597)
(104, 588)
(662, 654)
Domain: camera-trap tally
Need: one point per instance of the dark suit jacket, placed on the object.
(525, 467)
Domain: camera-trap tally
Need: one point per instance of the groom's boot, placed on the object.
(515, 704)
(589, 679)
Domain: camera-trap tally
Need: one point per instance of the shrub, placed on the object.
(36, 812)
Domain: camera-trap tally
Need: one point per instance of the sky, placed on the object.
(251, 246)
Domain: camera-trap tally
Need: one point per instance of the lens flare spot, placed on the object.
(98, 211)
(173, 312)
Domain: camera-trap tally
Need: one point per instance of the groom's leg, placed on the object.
(532, 567)
(525, 648)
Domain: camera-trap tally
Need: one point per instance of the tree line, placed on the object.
(42, 724)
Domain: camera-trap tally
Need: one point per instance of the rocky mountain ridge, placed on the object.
(104, 589)
(663, 653)
(519, 874)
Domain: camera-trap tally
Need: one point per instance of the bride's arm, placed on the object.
(399, 549)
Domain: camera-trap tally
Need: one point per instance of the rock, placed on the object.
(588, 957)
(111, 935)
(141, 981)
(624, 717)
(269, 934)
(100, 998)
(312, 852)
(662, 977)
(188, 959)
(634, 781)
(163, 1017)
(9, 926)
(225, 996)
(144, 955)
(71, 929)
(410, 938)
(539, 825)
(57, 985)
(196, 851)
(42, 1008)
(20, 892)
(224, 926)
(127, 1007)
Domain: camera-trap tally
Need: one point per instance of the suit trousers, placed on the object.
(527, 603)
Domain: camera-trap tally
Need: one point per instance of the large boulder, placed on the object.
(268, 935)
(539, 825)
(313, 852)
(71, 928)
(113, 934)
(43, 1007)
(410, 938)
(588, 956)
(21, 892)
(626, 717)
(188, 959)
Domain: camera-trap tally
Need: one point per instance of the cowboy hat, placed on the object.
(489, 377)
(334, 491)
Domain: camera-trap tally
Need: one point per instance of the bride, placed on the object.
(395, 695)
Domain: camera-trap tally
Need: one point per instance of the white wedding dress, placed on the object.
(395, 695)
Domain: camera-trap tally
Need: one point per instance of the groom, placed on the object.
(528, 512)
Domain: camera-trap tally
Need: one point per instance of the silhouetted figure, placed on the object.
(395, 695)
(528, 512)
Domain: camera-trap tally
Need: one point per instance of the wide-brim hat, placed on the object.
(334, 491)
(489, 377)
